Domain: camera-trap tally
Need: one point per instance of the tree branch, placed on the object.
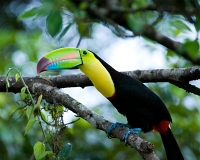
(54, 95)
(177, 76)
(152, 7)
(175, 46)
(103, 12)
(43, 85)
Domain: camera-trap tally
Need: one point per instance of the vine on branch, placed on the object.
(47, 114)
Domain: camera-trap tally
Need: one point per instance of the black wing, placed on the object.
(142, 107)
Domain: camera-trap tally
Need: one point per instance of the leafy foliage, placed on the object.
(40, 153)
(65, 152)
(29, 125)
(54, 22)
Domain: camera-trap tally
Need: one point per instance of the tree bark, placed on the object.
(177, 76)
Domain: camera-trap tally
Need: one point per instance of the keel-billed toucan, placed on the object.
(142, 107)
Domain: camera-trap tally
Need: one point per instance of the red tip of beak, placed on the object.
(42, 64)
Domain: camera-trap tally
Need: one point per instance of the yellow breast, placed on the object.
(99, 76)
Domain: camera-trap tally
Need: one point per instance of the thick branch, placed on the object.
(177, 76)
(54, 95)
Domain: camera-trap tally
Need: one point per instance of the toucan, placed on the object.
(143, 109)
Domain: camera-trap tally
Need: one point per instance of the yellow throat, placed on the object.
(99, 76)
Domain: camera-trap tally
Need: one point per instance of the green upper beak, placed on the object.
(63, 58)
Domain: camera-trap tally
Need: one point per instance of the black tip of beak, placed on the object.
(42, 64)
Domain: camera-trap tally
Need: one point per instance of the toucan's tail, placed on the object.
(171, 147)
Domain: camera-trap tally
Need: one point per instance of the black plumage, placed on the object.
(142, 108)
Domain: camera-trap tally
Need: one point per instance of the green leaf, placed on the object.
(83, 5)
(180, 25)
(7, 82)
(28, 111)
(43, 117)
(39, 101)
(192, 47)
(37, 11)
(38, 149)
(29, 14)
(170, 53)
(16, 76)
(85, 29)
(46, 155)
(30, 123)
(135, 23)
(23, 90)
(65, 31)
(65, 152)
(23, 95)
(37, 106)
(54, 22)
(46, 108)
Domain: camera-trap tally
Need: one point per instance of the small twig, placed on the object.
(73, 121)
(79, 41)
(23, 82)
(152, 7)
(127, 10)
(188, 87)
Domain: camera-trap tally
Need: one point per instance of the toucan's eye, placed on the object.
(84, 52)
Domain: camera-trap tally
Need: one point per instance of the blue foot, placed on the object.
(117, 124)
(132, 130)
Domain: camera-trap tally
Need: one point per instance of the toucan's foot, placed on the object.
(132, 130)
(117, 124)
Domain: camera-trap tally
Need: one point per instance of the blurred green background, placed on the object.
(29, 29)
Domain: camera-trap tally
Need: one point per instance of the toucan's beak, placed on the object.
(63, 58)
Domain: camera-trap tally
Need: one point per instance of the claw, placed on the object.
(117, 124)
(132, 130)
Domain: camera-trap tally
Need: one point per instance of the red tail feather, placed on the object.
(162, 127)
